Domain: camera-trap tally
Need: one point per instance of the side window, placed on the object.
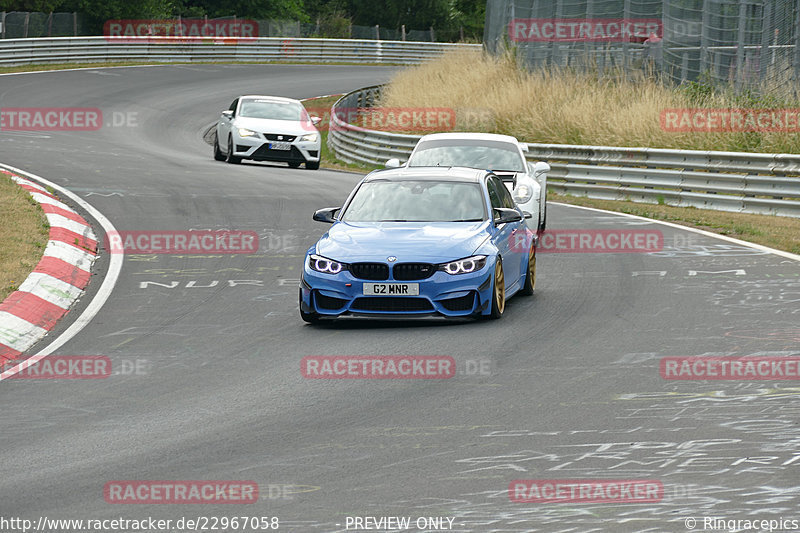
(233, 106)
(505, 195)
(494, 194)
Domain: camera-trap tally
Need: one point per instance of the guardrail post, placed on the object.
(377, 32)
(27, 20)
(3, 25)
(740, 71)
(74, 24)
(797, 48)
(403, 31)
(50, 25)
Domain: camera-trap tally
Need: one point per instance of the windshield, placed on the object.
(416, 201)
(491, 155)
(271, 109)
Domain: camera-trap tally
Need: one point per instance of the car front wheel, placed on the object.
(232, 158)
(312, 165)
(311, 318)
(218, 155)
(499, 292)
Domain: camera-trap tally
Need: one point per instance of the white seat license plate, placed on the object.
(280, 146)
(391, 289)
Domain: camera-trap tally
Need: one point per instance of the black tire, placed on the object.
(543, 221)
(294, 164)
(311, 318)
(530, 275)
(218, 155)
(498, 291)
(230, 158)
(312, 165)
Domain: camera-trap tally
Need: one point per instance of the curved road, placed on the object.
(565, 386)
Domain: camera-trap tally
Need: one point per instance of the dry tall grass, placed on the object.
(550, 106)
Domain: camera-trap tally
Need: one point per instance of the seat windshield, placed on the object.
(416, 201)
(272, 109)
(490, 155)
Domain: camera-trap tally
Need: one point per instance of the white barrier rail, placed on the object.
(15, 52)
(723, 181)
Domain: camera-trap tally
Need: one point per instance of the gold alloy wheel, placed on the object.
(499, 288)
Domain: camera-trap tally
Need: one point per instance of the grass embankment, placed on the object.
(566, 107)
(23, 235)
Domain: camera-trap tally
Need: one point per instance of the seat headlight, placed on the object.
(464, 266)
(522, 194)
(325, 265)
(311, 137)
(244, 132)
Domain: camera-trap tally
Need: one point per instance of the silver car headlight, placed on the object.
(325, 265)
(522, 194)
(310, 137)
(464, 266)
(244, 132)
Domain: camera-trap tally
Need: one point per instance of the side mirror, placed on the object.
(315, 120)
(503, 215)
(393, 163)
(539, 168)
(227, 113)
(527, 215)
(326, 215)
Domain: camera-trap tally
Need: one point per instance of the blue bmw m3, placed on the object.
(423, 241)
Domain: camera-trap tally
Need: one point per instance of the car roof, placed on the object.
(469, 136)
(428, 173)
(265, 97)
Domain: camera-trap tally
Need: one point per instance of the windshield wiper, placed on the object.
(468, 220)
(395, 220)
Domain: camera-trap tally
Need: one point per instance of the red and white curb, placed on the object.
(55, 284)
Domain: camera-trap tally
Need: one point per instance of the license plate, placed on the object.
(391, 289)
(280, 146)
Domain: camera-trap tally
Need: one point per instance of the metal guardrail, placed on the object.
(15, 52)
(724, 181)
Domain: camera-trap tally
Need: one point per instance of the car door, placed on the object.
(503, 235)
(224, 126)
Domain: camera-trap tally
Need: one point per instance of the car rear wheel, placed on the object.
(311, 318)
(312, 165)
(218, 155)
(232, 158)
(499, 292)
(530, 275)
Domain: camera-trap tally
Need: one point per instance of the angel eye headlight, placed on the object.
(522, 194)
(325, 265)
(244, 132)
(464, 266)
(311, 137)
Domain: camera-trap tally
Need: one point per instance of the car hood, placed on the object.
(265, 125)
(430, 242)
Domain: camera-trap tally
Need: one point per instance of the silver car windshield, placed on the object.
(491, 155)
(271, 109)
(416, 201)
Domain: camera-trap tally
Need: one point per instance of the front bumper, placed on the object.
(342, 294)
(257, 148)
